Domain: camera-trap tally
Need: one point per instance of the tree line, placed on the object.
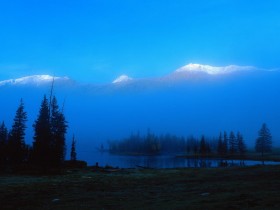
(224, 145)
(48, 147)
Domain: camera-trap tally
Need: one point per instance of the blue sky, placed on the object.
(97, 40)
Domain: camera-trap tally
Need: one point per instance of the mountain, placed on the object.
(191, 72)
(122, 79)
(213, 70)
(192, 100)
(34, 80)
(188, 73)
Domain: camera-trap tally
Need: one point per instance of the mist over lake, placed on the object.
(145, 104)
(195, 104)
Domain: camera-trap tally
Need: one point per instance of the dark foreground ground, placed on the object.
(255, 187)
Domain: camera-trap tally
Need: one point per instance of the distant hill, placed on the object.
(192, 100)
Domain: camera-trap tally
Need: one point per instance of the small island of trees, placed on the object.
(48, 148)
(227, 145)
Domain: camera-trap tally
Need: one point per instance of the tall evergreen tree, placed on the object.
(232, 143)
(16, 143)
(42, 153)
(264, 141)
(152, 144)
(241, 144)
(3, 145)
(203, 146)
(73, 155)
(49, 138)
(220, 147)
(58, 131)
(225, 144)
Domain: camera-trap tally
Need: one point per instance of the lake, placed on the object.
(158, 161)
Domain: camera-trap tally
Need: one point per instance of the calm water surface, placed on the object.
(160, 161)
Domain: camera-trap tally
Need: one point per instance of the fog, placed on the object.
(96, 114)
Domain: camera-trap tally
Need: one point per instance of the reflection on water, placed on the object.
(160, 161)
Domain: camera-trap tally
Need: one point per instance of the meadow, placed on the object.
(255, 187)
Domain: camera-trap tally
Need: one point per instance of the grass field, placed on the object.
(255, 187)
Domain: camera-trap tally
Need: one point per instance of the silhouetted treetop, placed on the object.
(264, 140)
(16, 147)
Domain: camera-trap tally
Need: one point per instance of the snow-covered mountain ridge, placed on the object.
(122, 78)
(33, 79)
(187, 72)
(213, 70)
(191, 71)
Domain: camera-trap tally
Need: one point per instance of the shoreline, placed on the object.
(228, 157)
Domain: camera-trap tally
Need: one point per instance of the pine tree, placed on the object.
(42, 153)
(225, 144)
(73, 155)
(3, 145)
(152, 143)
(58, 131)
(203, 146)
(49, 138)
(264, 141)
(16, 143)
(241, 145)
(220, 147)
(232, 143)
